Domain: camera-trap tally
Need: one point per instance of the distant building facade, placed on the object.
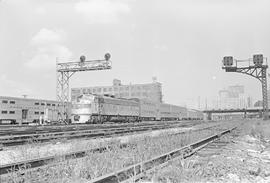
(151, 91)
(233, 98)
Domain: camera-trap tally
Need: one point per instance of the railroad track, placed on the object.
(35, 164)
(138, 171)
(103, 131)
(22, 130)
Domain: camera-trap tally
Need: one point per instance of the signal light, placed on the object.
(107, 56)
(228, 61)
(258, 59)
(82, 58)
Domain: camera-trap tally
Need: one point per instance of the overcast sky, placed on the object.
(181, 42)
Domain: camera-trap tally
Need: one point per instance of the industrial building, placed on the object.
(150, 91)
(26, 110)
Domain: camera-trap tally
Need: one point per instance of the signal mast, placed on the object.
(255, 67)
(66, 70)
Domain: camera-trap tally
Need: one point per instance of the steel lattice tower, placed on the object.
(256, 69)
(64, 72)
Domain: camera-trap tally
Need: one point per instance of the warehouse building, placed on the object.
(150, 91)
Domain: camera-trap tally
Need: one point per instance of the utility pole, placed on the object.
(255, 67)
(66, 70)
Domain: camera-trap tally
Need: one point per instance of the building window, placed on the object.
(94, 90)
(36, 103)
(99, 89)
(53, 104)
(110, 89)
(89, 91)
(105, 89)
(41, 112)
(48, 104)
(12, 102)
(4, 112)
(4, 101)
(115, 89)
(11, 112)
(42, 104)
(127, 88)
(36, 112)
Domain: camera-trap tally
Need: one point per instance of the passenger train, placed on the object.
(91, 108)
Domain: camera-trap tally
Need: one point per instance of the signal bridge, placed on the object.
(255, 67)
(66, 70)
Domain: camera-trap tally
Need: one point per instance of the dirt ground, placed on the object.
(246, 158)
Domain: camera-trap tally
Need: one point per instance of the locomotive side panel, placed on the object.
(120, 107)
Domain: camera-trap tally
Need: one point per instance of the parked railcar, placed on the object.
(92, 108)
(194, 114)
(178, 111)
(14, 110)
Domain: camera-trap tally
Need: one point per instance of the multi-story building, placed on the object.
(150, 91)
